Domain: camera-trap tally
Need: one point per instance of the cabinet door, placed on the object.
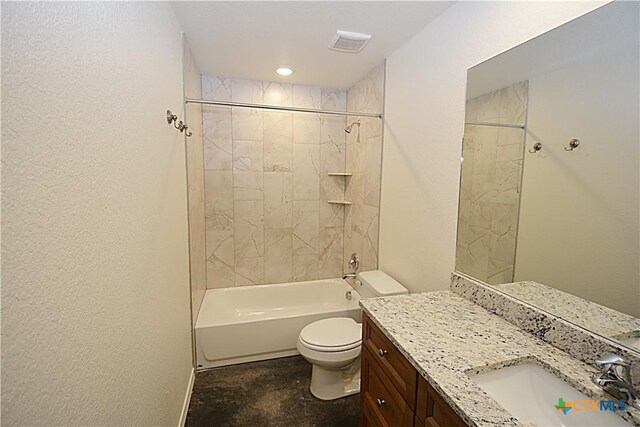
(392, 362)
(381, 402)
(432, 410)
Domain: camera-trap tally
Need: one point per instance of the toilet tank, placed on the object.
(377, 283)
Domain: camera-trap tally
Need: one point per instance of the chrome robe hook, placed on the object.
(171, 117)
(180, 125)
(536, 147)
(573, 144)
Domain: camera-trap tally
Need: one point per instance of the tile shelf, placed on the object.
(339, 173)
(339, 202)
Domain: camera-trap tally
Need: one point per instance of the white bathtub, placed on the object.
(245, 324)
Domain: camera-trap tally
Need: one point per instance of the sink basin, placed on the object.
(530, 393)
(631, 339)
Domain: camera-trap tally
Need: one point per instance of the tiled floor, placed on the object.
(272, 393)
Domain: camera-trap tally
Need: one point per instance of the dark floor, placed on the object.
(272, 393)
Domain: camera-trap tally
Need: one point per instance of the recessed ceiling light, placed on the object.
(284, 71)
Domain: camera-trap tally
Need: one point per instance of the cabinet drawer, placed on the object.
(381, 402)
(432, 410)
(367, 419)
(393, 363)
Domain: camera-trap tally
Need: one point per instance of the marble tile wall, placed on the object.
(364, 160)
(490, 185)
(266, 187)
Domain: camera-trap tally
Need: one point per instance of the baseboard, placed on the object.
(187, 399)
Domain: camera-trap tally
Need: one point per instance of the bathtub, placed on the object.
(245, 324)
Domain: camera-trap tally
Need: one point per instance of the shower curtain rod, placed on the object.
(504, 125)
(280, 108)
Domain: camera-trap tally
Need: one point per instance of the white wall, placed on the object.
(579, 212)
(95, 292)
(424, 116)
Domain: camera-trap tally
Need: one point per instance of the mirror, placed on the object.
(550, 176)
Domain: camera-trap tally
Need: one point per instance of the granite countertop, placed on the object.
(447, 338)
(587, 314)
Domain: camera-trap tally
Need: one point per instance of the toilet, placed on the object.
(333, 345)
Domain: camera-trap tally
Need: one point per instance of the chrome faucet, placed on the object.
(354, 264)
(615, 378)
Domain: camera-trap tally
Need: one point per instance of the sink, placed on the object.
(531, 393)
(631, 339)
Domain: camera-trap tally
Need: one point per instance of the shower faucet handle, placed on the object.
(354, 261)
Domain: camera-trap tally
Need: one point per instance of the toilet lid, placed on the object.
(336, 333)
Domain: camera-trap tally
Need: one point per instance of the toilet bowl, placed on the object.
(333, 345)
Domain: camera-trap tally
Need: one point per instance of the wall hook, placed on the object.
(536, 147)
(171, 117)
(180, 125)
(573, 144)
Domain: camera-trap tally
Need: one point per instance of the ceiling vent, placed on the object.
(346, 41)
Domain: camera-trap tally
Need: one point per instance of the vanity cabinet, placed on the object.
(432, 410)
(392, 393)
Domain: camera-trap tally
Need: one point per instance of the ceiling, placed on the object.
(250, 39)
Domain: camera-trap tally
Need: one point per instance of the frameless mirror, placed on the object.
(550, 177)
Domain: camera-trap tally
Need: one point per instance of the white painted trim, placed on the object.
(187, 399)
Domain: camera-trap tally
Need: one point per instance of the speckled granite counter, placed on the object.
(446, 337)
(587, 314)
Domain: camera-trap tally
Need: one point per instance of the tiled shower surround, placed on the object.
(364, 160)
(266, 184)
(490, 184)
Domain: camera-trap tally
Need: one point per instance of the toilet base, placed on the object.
(327, 384)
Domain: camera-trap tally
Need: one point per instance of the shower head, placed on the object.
(348, 128)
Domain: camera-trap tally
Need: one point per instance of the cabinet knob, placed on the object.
(382, 352)
(380, 402)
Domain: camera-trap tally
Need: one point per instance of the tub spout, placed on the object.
(349, 276)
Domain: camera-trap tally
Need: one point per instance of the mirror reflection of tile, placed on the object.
(490, 184)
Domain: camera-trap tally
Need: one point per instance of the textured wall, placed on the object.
(195, 178)
(95, 292)
(424, 115)
(267, 216)
(364, 160)
(490, 185)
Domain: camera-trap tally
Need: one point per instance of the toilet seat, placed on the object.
(330, 349)
(332, 335)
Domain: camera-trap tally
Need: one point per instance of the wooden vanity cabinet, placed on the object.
(380, 398)
(392, 393)
(432, 410)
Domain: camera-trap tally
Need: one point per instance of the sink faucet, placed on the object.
(615, 378)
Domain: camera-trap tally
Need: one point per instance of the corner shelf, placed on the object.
(339, 173)
(339, 202)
